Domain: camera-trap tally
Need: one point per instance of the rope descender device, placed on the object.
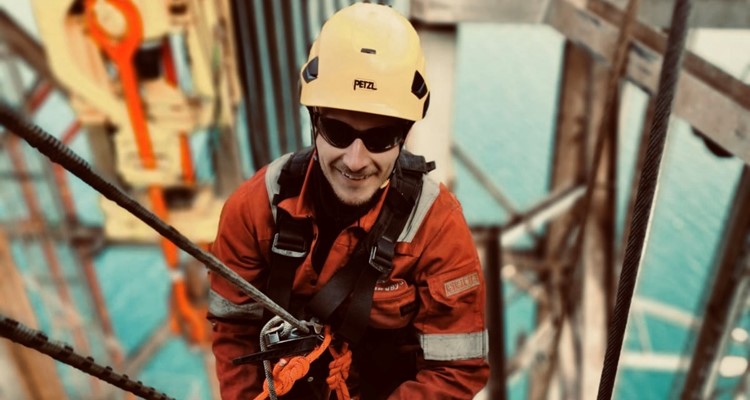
(280, 341)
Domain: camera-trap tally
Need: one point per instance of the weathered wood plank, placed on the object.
(709, 99)
(706, 13)
(569, 169)
(453, 11)
(726, 300)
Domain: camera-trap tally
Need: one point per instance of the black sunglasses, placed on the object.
(376, 140)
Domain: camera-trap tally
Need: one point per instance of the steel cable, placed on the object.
(670, 72)
(62, 352)
(61, 154)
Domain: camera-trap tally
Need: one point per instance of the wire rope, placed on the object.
(62, 352)
(670, 72)
(61, 154)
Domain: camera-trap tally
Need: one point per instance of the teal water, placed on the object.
(506, 91)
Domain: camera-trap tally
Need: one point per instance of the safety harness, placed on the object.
(371, 260)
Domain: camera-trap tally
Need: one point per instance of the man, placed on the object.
(353, 233)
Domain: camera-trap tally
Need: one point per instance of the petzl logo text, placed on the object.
(363, 84)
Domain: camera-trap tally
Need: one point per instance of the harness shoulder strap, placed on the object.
(291, 243)
(293, 175)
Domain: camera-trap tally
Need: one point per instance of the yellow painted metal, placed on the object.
(97, 98)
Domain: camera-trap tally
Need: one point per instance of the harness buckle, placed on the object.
(289, 245)
(381, 255)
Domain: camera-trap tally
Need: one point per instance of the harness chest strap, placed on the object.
(381, 241)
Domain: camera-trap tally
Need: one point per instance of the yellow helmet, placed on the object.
(367, 58)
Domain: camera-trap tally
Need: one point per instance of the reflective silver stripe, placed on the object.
(220, 307)
(272, 179)
(457, 346)
(430, 191)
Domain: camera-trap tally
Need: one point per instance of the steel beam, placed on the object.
(493, 190)
(656, 362)
(24, 46)
(145, 352)
(73, 234)
(549, 208)
(495, 314)
(666, 312)
(596, 253)
(730, 272)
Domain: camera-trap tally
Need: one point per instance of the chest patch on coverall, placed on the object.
(462, 284)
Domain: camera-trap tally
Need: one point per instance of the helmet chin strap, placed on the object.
(312, 111)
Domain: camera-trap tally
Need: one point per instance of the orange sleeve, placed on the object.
(234, 316)
(450, 321)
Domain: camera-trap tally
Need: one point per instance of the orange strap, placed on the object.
(186, 317)
(285, 375)
(121, 52)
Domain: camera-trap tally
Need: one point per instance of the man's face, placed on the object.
(354, 172)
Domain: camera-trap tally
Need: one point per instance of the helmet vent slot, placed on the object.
(418, 85)
(368, 51)
(310, 72)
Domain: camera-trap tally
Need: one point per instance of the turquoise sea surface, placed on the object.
(505, 109)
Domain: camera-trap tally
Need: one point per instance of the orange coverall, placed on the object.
(435, 266)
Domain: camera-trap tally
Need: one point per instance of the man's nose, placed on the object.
(356, 156)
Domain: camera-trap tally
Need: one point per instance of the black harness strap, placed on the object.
(291, 243)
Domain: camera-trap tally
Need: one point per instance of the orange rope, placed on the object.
(285, 375)
(338, 371)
